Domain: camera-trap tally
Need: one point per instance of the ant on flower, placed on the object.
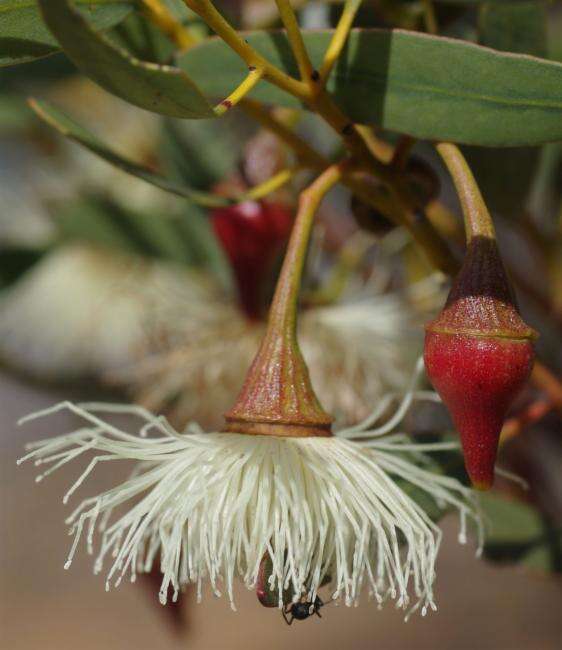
(302, 610)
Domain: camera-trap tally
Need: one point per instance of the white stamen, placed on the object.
(510, 476)
(211, 505)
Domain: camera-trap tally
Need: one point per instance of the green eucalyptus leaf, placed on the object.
(24, 36)
(143, 40)
(195, 230)
(179, 9)
(185, 237)
(201, 153)
(149, 234)
(157, 88)
(505, 176)
(15, 115)
(426, 502)
(107, 224)
(426, 86)
(70, 129)
(547, 555)
(104, 223)
(194, 244)
(509, 521)
(518, 533)
(88, 220)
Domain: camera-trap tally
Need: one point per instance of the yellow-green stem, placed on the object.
(421, 229)
(283, 312)
(237, 95)
(271, 184)
(294, 36)
(477, 219)
(161, 16)
(214, 19)
(430, 17)
(339, 38)
(322, 103)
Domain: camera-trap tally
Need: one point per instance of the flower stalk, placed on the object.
(277, 397)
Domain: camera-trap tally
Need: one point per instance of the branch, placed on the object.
(206, 10)
(339, 39)
(296, 42)
(163, 18)
(237, 95)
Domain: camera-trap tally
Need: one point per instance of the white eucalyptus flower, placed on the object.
(208, 506)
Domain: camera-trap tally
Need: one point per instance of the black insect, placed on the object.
(301, 610)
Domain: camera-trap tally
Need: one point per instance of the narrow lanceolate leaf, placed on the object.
(157, 88)
(426, 86)
(505, 175)
(143, 39)
(79, 134)
(509, 521)
(24, 36)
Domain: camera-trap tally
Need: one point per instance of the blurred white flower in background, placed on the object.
(355, 351)
(82, 311)
(44, 167)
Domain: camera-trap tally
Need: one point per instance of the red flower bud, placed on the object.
(266, 596)
(478, 355)
(252, 235)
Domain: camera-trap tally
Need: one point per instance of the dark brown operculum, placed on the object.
(478, 355)
(481, 301)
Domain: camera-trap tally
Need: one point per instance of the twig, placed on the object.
(339, 39)
(206, 10)
(296, 42)
(430, 17)
(162, 17)
(546, 381)
(531, 414)
(237, 95)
